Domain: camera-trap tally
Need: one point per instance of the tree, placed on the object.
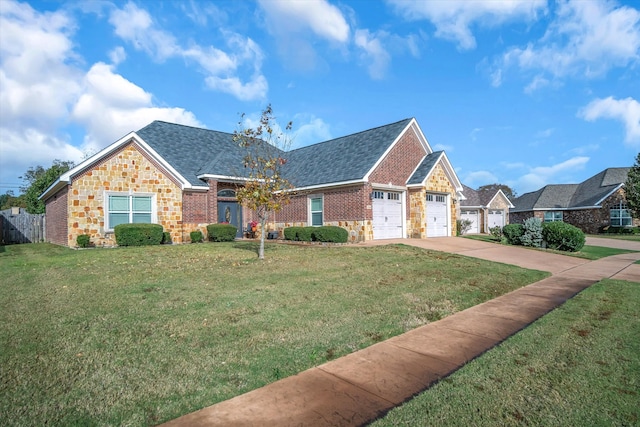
(37, 180)
(8, 200)
(632, 188)
(266, 189)
(493, 189)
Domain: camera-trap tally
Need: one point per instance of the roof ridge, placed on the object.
(187, 126)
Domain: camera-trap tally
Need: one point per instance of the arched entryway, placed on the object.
(230, 211)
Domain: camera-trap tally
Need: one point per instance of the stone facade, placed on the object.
(127, 171)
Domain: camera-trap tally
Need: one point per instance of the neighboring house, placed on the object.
(591, 205)
(381, 183)
(484, 209)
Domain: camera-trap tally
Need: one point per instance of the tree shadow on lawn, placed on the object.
(248, 246)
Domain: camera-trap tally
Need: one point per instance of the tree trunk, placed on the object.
(263, 222)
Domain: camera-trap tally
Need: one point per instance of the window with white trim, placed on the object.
(316, 210)
(620, 215)
(393, 196)
(377, 195)
(552, 216)
(128, 208)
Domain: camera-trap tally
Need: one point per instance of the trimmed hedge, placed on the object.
(166, 238)
(513, 232)
(330, 233)
(221, 232)
(562, 236)
(327, 233)
(83, 241)
(196, 236)
(138, 234)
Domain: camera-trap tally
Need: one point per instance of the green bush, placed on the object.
(619, 230)
(166, 238)
(562, 236)
(532, 235)
(83, 241)
(305, 234)
(291, 233)
(330, 233)
(496, 232)
(196, 236)
(138, 234)
(221, 232)
(513, 232)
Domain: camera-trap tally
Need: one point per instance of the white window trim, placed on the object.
(154, 207)
(620, 207)
(310, 213)
(554, 216)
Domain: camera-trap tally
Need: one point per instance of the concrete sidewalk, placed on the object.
(362, 386)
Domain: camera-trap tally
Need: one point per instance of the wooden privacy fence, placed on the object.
(18, 226)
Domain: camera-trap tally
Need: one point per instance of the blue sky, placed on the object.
(523, 93)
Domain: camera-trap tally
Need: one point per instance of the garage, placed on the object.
(496, 218)
(387, 215)
(471, 215)
(437, 217)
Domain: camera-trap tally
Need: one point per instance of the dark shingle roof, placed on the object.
(194, 151)
(342, 159)
(425, 167)
(572, 196)
(472, 197)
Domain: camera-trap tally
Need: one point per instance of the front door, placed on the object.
(231, 212)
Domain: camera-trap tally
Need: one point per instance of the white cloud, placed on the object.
(222, 69)
(111, 106)
(373, 53)
(453, 19)
(539, 176)
(546, 133)
(479, 178)
(625, 110)
(587, 38)
(318, 16)
(311, 131)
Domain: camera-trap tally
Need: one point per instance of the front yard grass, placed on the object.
(577, 366)
(138, 336)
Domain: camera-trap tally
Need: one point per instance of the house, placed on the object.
(593, 204)
(485, 209)
(381, 183)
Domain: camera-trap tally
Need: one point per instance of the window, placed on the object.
(226, 193)
(377, 195)
(440, 198)
(620, 215)
(551, 216)
(316, 211)
(124, 209)
(393, 196)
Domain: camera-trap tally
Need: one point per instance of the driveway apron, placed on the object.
(361, 387)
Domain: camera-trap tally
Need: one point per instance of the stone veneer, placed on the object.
(125, 171)
(437, 182)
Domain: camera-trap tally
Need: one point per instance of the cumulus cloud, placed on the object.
(586, 38)
(479, 178)
(625, 110)
(373, 53)
(237, 72)
(309, 130)
(453, 19)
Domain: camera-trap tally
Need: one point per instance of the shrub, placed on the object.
(83, 241)
(330, 233)
(513, 232)
(221, 232)
(305, 234)
(562, 236)
(496, 232)
(291, 233)
(138, 234)
(166, 238)
(462, 226)
(532, 235)
(196, 236)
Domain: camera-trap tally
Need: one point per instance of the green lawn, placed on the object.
(137, 336)
(633, 237)
(577, 366)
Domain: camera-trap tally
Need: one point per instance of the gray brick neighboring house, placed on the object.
(484, 209)
(592, 205)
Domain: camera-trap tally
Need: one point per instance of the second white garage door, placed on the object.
(496, 218)
(387, 215)
(437, 221)
(471, 215)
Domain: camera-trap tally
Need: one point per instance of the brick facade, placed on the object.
(590, 221)
(56, 218)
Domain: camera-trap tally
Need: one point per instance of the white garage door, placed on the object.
(437, 221)
(471, 215)
(387, 215)
(496, 218)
